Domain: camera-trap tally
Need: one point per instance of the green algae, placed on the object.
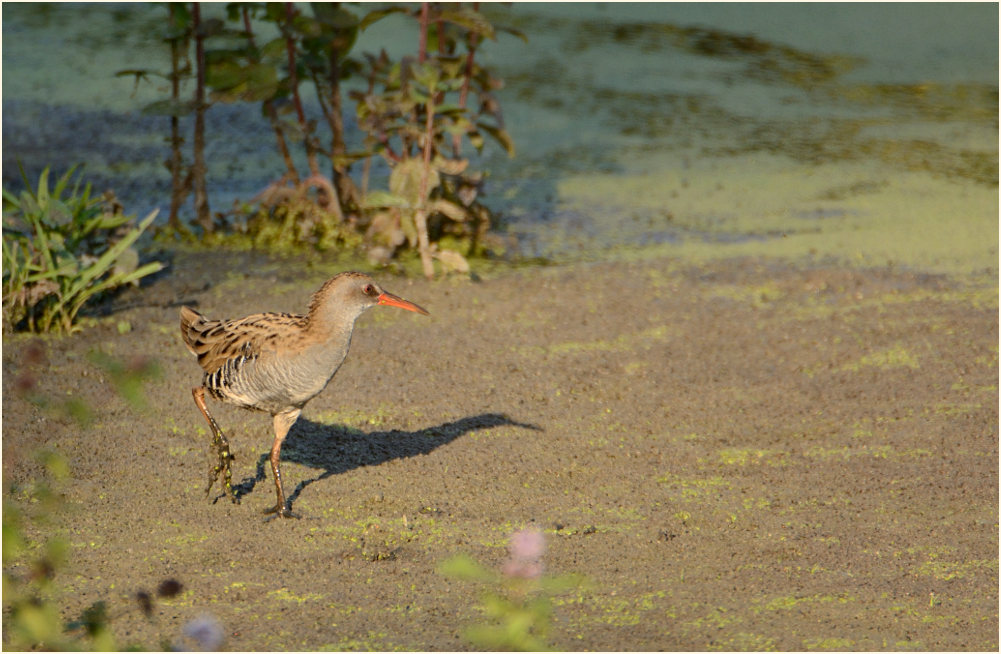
(618, 611)
(744, 641)
(754, 295)
(896, 356)
(691, 488)
(372, 641)
(790, 602)
(737, 456)
(947, 570)
(285, 595)
(828, 644)
(767, 206)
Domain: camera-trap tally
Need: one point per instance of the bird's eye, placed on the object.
(368, 289)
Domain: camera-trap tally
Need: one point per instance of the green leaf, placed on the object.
(450, 209)
(334, 16)
(427, 75)
(380, 199)
(134, 72)
(113, 281)
(262, 83)
(108, 258)
(38, 624)
(472, 21)
(169, 107)
(275, 48)
(462, 566)
(42, 190)
(499, 135)
(179, 14)
(128, 379)
(476, 139)
(127, 261)
(450, 166)
(14, 544)
(11, 199)
(405, 181)
(416, 96)
(377, 15)
(450, 108)
(107, 220)
(513, 32)
(563, 583)
(224, 74)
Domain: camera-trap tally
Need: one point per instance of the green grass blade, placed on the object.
(107, 260)
(42, 192)
(63, 182)
(111, 282)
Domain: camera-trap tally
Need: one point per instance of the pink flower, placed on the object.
(525, 550)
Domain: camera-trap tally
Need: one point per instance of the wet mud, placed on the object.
(740, 454)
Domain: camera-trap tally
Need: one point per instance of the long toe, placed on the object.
(223, 469)
(228, 483)
(280, 512)
(214, 472)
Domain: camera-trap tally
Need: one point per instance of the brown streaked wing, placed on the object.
(216, 341)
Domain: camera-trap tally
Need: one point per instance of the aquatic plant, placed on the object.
(33, 612)
(33, 621)
(62, 249)
(34, 554)
(414, 114)
(515, 601)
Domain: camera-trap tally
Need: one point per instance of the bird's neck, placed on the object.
(330, 329)
(321, 326)
(324, 347)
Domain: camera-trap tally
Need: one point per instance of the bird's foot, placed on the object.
(280, 511)
(224, 469)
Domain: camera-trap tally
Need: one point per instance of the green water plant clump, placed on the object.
(413, 114)
(62, 248)
(36, 550)
(516, 601)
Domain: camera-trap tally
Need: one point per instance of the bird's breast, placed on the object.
(277, 380)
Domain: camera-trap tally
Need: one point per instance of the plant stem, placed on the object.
(269, 109)
(422, 37)
(343, 188)
(307, 139)
(467, 76)
(178, 187)
(346, 191)
(202, 212)
(420, 216)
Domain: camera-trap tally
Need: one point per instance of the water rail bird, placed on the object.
(276, 362)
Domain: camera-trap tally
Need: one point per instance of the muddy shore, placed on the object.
(739, 454)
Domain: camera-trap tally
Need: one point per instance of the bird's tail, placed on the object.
(192, 326)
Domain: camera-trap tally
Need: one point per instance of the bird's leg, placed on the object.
(221, 446)
(283, 422)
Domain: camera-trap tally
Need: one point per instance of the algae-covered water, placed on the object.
(863, 132)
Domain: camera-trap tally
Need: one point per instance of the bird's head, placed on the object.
(347, 295)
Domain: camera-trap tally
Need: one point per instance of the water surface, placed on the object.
(865, 132)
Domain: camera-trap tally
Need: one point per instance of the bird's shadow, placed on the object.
(335, 449)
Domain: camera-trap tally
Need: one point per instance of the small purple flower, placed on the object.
(206, 631)
(525, 550)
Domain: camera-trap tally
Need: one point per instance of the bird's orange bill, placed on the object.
(392, 300)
